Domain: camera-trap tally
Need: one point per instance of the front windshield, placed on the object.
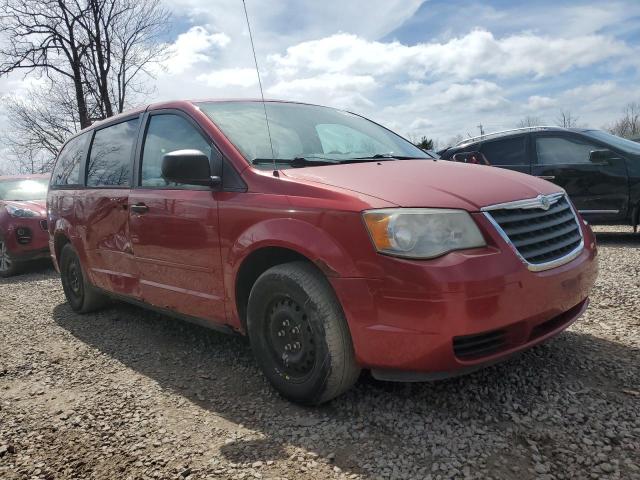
(316, 134)
(20, 189)
(618, 142)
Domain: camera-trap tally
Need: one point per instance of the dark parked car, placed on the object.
(599, 171)
(352, 249)
(23, 221)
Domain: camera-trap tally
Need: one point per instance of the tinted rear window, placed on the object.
(509, 151)
(111, 152)
(67, 169)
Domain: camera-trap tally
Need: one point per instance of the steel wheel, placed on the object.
(299, 335)
(5, 261)
(80, 294)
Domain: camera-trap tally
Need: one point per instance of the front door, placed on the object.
(103, 208)
(597, 182)
(174, 228)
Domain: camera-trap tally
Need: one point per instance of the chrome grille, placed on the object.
(543, 238)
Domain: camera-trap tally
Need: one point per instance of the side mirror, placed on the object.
(602, 157)
(189, 167)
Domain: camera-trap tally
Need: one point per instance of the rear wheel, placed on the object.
(81, 295)
(8, 266)
(299, 335)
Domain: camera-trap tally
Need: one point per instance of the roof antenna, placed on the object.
(266, 117)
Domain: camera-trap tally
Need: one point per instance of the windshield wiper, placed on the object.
(386, 156)
(295, 162)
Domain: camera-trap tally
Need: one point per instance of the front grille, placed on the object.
(474, 346)
(540, 236)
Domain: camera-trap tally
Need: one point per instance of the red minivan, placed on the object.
(332, 242)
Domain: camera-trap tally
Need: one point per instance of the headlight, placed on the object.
(21, 212)
(421, 232)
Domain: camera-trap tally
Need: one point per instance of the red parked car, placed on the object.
(23, 221)
(332, 242)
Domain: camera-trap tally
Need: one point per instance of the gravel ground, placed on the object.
(129, 394)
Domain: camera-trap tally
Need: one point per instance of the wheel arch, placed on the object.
(275, 242)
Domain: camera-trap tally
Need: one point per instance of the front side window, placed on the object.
(111, 153)
(316, 134)
(23, 189)
(167, 133)
(67, 169)
(563, 150)
(509, 151)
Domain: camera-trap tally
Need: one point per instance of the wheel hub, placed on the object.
(291, 338)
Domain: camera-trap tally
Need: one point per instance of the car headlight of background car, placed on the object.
(421, 232)
(21, 212)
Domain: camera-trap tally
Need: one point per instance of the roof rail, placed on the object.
(494, 134)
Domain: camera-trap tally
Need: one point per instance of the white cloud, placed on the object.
(474, 54)
(243, 77)
(537, 102)
(196, 45)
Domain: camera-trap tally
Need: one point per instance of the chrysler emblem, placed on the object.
(545, 203)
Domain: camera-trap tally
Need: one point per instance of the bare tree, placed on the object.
(38, 125)
(45, 36)
(629, 125)
(96, 54)
(529, 121)
(124, 41)
(566, 119)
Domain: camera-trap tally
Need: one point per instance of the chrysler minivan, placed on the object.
(332, 242)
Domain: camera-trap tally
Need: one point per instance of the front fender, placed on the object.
(297, 235)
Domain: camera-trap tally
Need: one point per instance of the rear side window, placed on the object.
(67, 169)
(563, 150)
(111, 153)
(509, 151)
(167, 133)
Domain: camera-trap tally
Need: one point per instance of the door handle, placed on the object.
(546, 177)
(139, 208)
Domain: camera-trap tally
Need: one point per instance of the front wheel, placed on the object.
(8, 266)
(299, 335)
(81, 295)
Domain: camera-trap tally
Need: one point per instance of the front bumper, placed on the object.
(411, 323)
(37, 247)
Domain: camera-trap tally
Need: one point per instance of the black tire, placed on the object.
(294, 305)
(8, 266)
(81, 295)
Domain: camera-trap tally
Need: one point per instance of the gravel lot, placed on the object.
(130, 394)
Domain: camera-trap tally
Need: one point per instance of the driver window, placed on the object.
(562, 150)
(167, 133)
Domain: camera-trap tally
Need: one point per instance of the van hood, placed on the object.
(428, 183)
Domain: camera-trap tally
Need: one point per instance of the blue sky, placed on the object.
(435, 68)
